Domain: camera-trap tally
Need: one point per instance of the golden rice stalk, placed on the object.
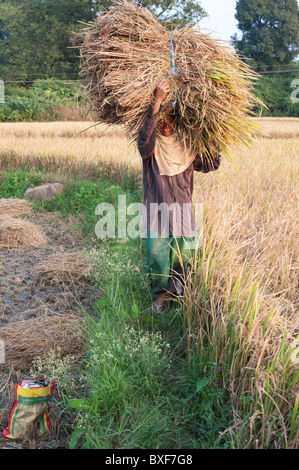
(15, 207)
(17, 233)
(126, 52)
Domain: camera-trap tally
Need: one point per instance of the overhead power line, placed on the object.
(33, 80)
(55, 79)
(279, 71)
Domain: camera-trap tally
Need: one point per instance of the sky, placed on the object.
(221, 18)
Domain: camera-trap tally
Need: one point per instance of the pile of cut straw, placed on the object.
(63, 268)
(18, 233)
(28, 339)
(14, 207)
(126, 52)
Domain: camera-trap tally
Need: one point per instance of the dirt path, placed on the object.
(23, 297)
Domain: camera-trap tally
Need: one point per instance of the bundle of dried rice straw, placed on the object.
(19, 233)
(60, 267)
(26, 340)
(14, 207)
(126, 52)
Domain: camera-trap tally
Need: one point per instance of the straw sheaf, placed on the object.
(26, 340)
(14, 207)
(67, 268)
(126, 52)
(18, 233)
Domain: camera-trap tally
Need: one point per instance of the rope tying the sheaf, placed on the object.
(173, 70)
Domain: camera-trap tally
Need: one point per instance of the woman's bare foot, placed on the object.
(159, 303)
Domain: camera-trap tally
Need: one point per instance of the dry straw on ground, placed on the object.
(26, 340)
(18, 233)
(126, 52)
(66, 268)
(14, 207)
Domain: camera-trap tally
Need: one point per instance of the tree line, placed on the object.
(35, 40)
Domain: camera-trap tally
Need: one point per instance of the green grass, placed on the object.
(144, 393)
(14, 183)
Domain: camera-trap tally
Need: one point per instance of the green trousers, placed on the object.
(167, 261)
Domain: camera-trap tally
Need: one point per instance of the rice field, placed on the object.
(243, 299)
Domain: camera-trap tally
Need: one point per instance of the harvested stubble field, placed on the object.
(244, 298)
(44, 291)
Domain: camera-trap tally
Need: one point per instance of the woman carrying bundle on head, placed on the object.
(168, 167)
(121, 59)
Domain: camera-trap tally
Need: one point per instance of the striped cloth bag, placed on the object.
(30, 409)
